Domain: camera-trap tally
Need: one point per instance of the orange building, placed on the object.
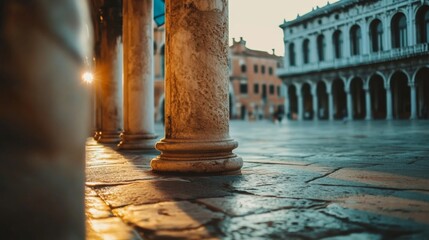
(257, 91)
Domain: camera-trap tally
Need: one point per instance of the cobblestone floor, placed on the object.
(300, 180)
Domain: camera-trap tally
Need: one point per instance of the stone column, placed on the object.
(389, 105)
(139, 105)
(286, 100)
(300, 97)
(368, 103)
(45, 118)
(315, 104)
(413, 100)
(331, 104)
(110, 73)
(196, 94)
(349, 104)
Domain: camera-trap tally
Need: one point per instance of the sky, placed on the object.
(257, 21)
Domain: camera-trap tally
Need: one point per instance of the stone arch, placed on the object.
(322, 99)
(340, 99)
(377, 90)
(307, 101)
(389, 79)
(356, 88)
(401, 99)
(421, 81)
(293, 101)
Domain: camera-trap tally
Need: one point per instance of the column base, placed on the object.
(186, 156)
(108, 137)
(137, 141)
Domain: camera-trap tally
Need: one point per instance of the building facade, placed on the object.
(358, 59)
(255, 90)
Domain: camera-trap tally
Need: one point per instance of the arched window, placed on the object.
(292, 54)
(321, 47)
(162, 52)
(376, 35)
(306, 51)
(338, 44)
(355, 40)
(399, 30)
(422, 21)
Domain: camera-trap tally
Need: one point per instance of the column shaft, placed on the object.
(286, 100)
(413, 101)
(196, 94)
(368, 104)
(44, 118)
(300, 107)
(349, 105)
(139, 112)
(110, 79)
(389, 106)
(315, 106)
(331, 106)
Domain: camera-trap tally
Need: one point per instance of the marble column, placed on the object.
(286, 101)
(139, 106)
(368, 103)
(109, 75)
(196, 90)
(300, 97)
(349, 104)
(389, 105)
(331, 105)
(315, 104)
(45, 118)
(413, 101)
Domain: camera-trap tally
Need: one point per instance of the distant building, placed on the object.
(255, 88)
(358, 59)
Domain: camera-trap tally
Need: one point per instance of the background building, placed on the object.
(358, 59)
(255, 87)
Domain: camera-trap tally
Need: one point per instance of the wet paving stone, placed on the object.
(300, 180)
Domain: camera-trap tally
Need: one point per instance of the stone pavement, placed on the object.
(300, 180)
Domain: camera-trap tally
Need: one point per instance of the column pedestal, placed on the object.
(196, 94)
(139, 112)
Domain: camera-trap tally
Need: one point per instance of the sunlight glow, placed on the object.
(88, 77)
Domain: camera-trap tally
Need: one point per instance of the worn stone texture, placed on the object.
(196, 90)
(325, 180)
(139, 129)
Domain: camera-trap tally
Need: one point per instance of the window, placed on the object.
(279, 91)
(376, 35)
(255, 68)
(270, 70)
(355, 40)
(256, 88)
(243, 68)
(271, 89)
(263, 69)
(338, 44)
(422, 25)
(306, 51)
(321, 47)
(243, 87)
(399, 31)
(292, 54)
